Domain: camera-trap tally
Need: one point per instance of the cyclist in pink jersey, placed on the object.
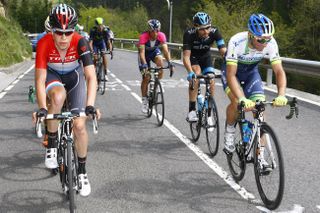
(150, 43)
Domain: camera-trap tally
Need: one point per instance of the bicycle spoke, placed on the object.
(269, 178)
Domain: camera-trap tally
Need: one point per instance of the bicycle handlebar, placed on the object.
(260, 106)
(208, 76)
(156, 69)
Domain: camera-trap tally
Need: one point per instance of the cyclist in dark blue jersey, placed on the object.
(98, 35)
(196, 55)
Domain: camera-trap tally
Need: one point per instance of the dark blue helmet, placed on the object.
(201, 19)
(260, 25)
(154, 24)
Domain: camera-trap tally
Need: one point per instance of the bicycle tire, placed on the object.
(195, 127)
(71, 167)
(150, 98)
(213, 133)
(237, 160)
(159, 102)
(276, 162)
(62, 166)
(102, 79)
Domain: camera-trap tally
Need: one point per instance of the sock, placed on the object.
(192, 106)
(82, 165)
(52, 139)
(230, 128)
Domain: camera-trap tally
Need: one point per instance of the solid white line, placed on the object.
(126, 87)
(12, 84)
(318, 206)
(213, 165)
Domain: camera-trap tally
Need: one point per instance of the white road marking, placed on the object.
(2, 94)
(318, 206)
(296, 209)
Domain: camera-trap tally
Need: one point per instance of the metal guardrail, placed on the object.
(304, 67)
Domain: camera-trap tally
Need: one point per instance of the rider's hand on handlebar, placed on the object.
(248, 104)
(191, 76)
(280, 101)
(90, 110)
(42, 113)
(143, 68)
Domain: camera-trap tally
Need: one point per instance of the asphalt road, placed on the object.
(135, 166)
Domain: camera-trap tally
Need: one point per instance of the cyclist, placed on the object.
(79, 28)
(110, 38)
(196, 56)
(98, 35)
(59, 75)
(149, 45)
(240, 76)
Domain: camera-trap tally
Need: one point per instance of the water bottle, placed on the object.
(200, 101)
(246, 131)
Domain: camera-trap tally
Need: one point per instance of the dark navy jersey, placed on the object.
(97, 35)
(200, 46)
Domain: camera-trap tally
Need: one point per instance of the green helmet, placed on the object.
(99, 21)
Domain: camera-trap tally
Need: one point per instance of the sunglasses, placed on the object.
(263, 40)
(60, 33)
(204, 28)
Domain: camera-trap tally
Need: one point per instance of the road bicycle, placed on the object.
(254, 141)
(101, 73)
(155, 93)
(206, 107)
(66, 153)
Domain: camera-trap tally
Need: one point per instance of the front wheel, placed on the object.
(101, 79)
(150, 97)
(212, 128)
(270, 174)
(71, 175)
(195, 127)
(159, 102)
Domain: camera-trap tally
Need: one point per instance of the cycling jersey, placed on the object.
(151, 45)
(97, 36)
(200, 46)
(247, 60)
(240, 54)
(66, 72)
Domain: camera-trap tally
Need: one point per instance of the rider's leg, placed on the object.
(81, 142)
(192, 115)
(158, 60)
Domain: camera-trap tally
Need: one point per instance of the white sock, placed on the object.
(230, 128)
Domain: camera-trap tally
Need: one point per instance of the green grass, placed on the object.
(14, 46)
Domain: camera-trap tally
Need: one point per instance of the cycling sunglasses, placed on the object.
(60, 33)
(263, 40)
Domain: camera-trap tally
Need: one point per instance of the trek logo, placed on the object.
(58, 58)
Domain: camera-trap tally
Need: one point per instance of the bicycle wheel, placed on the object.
(62, 165)
(212, 129)
(195, 127)
(102, 79)
(150, 97)
(270, 182)
(237, 160)
(71, 173)
(159, 102)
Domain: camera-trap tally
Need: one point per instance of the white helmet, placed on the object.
(47, 24)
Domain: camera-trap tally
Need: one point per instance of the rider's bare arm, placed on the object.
(142, 54)
(166, 52)
(233, 82)
(280, 78)
(40, 82)
(90, 74)
(186, 60)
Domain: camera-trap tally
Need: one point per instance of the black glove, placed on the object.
(41, 113)
(90, 110)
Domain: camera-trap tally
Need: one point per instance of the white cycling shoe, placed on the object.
(145, 106)
(229, 141)
(51, 158)
(85, 188)
(192, 116)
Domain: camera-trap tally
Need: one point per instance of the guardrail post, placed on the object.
(181, 54)
(121, 45)
(269, 77)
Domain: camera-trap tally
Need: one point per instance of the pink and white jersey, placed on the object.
(149, 44)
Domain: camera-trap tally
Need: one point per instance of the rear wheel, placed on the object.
(159, 102)
(101, 79)
(212, 129)
(150, 97)
(195, 127)
(270, 178)
(237, 160)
